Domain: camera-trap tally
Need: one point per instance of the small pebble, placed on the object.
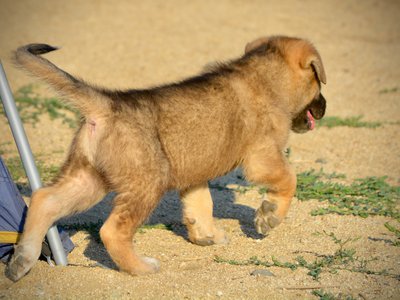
(262, 272)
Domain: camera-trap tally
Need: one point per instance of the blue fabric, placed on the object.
(12, 208)
(13, 212)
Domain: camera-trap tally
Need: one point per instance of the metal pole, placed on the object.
(28, 161)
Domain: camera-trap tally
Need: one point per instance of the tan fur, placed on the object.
(141, 143)
(198, 216)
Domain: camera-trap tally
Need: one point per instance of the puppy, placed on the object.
(142, 143)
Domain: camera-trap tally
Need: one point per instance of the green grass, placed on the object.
(396, 233)
(2, 146)
(356, 122)
(145, 227)
(370, 196)
(342, 259)
(241, 189)
(322, 295)
(364, 197)
(47, 172)
(31, 106)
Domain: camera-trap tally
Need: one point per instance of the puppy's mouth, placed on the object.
(305, 120)
(310, 120)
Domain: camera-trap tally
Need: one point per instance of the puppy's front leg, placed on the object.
(272, 170)
(198, 216)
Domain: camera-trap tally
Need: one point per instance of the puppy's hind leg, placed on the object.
(198, 216)
(75, 191)
(138, 171)
(130, 210)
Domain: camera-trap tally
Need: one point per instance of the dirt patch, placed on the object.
(136, 44)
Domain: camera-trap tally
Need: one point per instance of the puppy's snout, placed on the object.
(318, 107)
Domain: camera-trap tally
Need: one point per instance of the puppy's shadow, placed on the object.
(169, 213)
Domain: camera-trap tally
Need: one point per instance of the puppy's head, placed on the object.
(305, 73)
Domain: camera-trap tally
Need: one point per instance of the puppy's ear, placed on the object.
(255, 44)
(312, 59)
(315, 62)
(302, 53)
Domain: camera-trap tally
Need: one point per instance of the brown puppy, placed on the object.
(141, 143)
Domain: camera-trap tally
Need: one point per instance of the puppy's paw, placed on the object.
(206, 235)
(153, 262)
(18, 266)
(217, 238)
(149, 265)
(266, 219)
(220, 237)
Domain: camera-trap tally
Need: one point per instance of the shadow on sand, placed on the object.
(169, 213)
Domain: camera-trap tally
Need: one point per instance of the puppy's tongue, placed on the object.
(311, 121)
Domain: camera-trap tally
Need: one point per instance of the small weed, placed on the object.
(396, 232)
(2, 145)
(47, 172)
(262, 190)
(322, 295)
(143, 228)
(254, 260)
(286, 265)
(233, 262)
(338, 241)
(389, 90)
(364, 197)
(342, 259)
(31, 106)
(243, 189)
(348, 122)
(14, 166)
(393, 229)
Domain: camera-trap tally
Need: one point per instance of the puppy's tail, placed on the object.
(83, 97)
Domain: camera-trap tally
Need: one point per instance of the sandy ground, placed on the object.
(136, 44)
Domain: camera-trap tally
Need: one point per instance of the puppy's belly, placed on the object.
(198, 167)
